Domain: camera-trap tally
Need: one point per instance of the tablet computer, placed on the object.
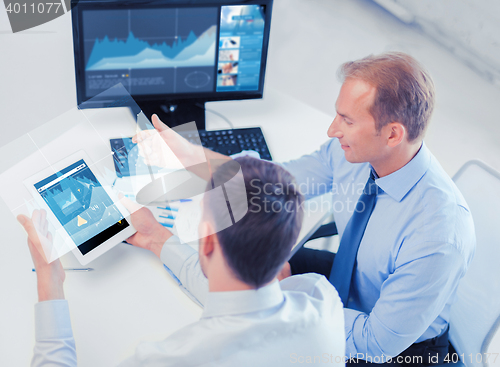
(91, 216)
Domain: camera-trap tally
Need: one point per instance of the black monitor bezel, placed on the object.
(79, 6)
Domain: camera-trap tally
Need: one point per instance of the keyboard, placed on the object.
(231, 141)
(128, 162)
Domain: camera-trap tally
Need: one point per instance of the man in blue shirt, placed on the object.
(419, 239)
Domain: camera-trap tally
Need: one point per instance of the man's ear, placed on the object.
(207, 240)
(396, 133)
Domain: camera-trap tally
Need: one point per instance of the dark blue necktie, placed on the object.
(343, 264)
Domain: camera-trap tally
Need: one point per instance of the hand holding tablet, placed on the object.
(88, 215)
(150, 234)
(50, 276)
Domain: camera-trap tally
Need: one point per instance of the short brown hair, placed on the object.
(257, 245)
(405, 91)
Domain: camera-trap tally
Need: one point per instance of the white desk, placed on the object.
(130, 297)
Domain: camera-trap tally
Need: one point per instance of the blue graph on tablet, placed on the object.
(79, 202)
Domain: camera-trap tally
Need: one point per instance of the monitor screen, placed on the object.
(172, 50)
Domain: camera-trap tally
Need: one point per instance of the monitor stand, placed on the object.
(174, 114)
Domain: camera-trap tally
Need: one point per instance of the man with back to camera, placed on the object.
(249, 319)
(392, 199)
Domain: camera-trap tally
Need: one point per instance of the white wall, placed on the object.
(311, 38)
(468, 28)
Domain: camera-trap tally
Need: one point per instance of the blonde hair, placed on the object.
(405, 90)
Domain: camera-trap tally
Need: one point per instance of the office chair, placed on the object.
(475, 314)
(326, 230)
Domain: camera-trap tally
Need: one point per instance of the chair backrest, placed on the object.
(475, 315)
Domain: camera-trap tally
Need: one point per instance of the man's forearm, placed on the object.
(183, 262)
(157, 243)
(55, 345)
(213, 161)
(49, 286)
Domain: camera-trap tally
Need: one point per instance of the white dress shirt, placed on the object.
(297, 320)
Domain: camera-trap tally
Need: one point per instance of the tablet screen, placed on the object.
(82, 206)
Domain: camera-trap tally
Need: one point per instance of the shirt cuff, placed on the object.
(52, 320)
(174, 254)
(350, 317)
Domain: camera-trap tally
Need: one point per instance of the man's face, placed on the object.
(354, 126)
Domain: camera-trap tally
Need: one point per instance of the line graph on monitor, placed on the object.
(134, 53)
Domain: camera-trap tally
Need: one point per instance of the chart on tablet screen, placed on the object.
(79, 202)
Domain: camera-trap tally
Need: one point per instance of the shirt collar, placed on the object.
(241, 302)
(398, 183)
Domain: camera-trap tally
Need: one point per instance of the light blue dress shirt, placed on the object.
(417, 246)
(297, 320)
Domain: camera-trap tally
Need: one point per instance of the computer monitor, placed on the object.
(172, 55)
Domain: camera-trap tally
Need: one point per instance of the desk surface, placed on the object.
(129, 297)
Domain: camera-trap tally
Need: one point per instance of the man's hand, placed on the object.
(153, 146)
(150, 235)
(50, 277)
(285, 272)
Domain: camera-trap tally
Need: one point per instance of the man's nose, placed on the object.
(333, 130)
